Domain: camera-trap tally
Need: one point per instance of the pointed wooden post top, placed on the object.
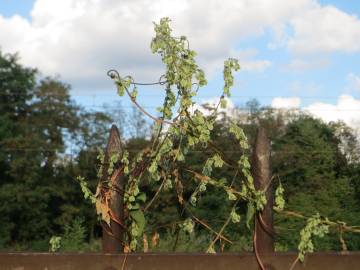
(114, 142)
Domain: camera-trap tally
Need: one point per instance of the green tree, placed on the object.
(16, 91)
(309, 161)
(39, 123)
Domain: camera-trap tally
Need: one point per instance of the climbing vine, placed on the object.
(179, 129)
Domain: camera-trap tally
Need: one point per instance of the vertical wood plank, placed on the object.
(261, 170)
(113, 235)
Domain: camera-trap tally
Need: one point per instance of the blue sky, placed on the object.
(349, 6)
(21, 7)
(300, 53)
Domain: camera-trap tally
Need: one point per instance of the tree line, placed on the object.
(318, 164)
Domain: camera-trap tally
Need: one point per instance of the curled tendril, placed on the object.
(114, 74)
(160, 80)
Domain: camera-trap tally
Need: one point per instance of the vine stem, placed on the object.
(234, 178)
(207, 179)
(124, 262)
(160, 120)
(218, 234)
(109, 232)
(327, 222)
(222, 228)
(133, 100)
(155, 196)
(266, 227)
(145, 112)
(258, 259)
(294, 263)
(156, 119)
(342, 241)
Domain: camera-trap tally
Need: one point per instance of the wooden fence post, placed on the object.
(261, 170)
(113, 235)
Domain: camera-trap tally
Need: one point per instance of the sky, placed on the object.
(293, 54)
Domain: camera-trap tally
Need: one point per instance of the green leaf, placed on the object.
(249, 214)
(235, 217)
(134, 93)
(141, 197)
(153, 167)
(55, 243)
(207, 169)
(138, 217)
(218, 162)
(231, 195)
(223, 103)
(202, 187)
(188, 225)
(168, 184)
(279, 197)
(193, 200)
(314, 227)
(244, 162)
(134, 206)
(86, 191)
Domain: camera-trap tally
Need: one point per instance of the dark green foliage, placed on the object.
(37, 122)
(74, 236)
(317, 163)
(317, 178)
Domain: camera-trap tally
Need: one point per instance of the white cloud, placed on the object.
(346, 109)
(298, 64)
(82, 39)
(247, 59)
(256, 65)
(207, 107)
(286, 103)
(324, 29)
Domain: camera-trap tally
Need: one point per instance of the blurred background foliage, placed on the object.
(47, 140)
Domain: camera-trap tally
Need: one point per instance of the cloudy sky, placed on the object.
(298, 53)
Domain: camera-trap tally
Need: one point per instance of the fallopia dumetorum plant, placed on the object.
(177, 131)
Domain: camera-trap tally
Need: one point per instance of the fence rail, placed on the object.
(175, 261)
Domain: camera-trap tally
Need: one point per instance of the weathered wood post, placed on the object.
(261, 170)
(113, 235)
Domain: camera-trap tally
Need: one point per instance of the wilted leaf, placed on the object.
(155, 240)
(103, 210)
(146, 244)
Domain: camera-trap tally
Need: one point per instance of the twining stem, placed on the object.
(222, 229)
(343, 226)
(156, 194)
(257, 255)
(218, 234)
